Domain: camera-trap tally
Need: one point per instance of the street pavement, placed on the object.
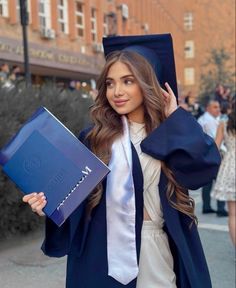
(218, 248)
(22, 264)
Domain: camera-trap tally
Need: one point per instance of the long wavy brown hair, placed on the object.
(108, 125)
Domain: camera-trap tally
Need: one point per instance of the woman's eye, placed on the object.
(129, 81)
(109, 84)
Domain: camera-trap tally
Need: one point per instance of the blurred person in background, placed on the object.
(4, 72)
(193, 106)
(224, 188)
(209, 122)
(225, 110)
(222, 94)
(16, 74)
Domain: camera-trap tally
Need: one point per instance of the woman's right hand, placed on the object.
(169, 99)
(37, 202)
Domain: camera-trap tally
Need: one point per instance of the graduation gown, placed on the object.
(194, 159)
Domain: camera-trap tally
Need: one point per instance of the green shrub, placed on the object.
(18, 103)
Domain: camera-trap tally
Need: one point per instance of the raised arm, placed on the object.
(181, 143)
(220, 134)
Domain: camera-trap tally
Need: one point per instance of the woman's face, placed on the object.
(124, 93)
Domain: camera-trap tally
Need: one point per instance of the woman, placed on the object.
(155, 151)
(224, 188)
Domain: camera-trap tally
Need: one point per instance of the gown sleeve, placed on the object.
(181, 143)
(58, 240)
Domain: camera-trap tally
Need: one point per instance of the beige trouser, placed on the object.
(156, 261)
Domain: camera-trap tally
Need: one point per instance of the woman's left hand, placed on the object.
(169, 99)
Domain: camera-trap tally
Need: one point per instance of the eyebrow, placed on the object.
(125, 76)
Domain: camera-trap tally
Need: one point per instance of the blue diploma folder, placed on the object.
(45, 156)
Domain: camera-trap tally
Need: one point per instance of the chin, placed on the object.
(121, 111)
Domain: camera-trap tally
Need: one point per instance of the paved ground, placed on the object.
(219, 251)
(23, 265)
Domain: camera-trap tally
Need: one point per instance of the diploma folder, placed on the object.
(45, 156)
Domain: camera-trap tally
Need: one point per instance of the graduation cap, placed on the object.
(157, 49)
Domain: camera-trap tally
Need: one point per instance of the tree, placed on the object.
(216, 70)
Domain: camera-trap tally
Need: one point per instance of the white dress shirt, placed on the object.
(209, 124)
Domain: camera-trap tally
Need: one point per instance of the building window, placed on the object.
(189, 49)
(93, 25)
(189, 76)
(105, 25)
(79, 14)
(112, 24)
(63, 16)
(44, 14)
(188, 21)
(4, 8)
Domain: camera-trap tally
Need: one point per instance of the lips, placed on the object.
(120, 102)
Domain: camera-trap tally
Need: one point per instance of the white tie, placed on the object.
(120, 209)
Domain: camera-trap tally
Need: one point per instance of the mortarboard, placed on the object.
(157, 49)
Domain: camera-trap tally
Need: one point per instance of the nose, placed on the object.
(118, 91)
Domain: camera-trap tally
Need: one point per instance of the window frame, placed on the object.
(189, 49)
(189, 76)
(93, 19)
(188, 21)
(4, 8)
(63, 21)
(105, 25)
(46, 14)
(79, 26)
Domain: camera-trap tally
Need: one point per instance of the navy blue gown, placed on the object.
(194, 159)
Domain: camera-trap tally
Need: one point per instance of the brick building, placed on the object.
(65, 35)
(209, 24)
